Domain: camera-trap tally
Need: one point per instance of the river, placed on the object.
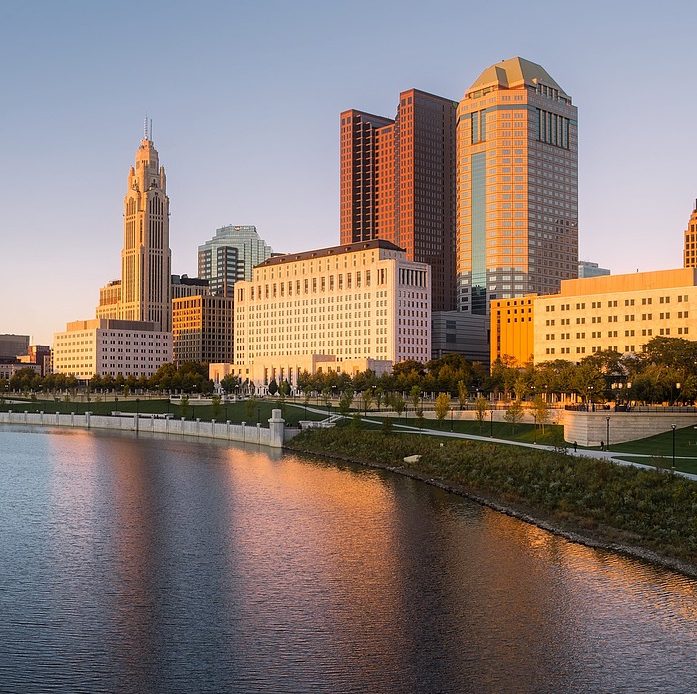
(166, 565)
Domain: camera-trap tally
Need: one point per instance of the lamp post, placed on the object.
(534, 429)
(258, 415)
(607, 433)
(451, 419)
(672, 426)
(491, 423)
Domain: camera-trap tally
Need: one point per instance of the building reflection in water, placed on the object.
(186, 560)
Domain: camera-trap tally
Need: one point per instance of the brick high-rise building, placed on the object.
(517, 186)
(398, 183)
(690, 245)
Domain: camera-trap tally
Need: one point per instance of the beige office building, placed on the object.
(617, 312)
(358, 303)
(202, 329)
(110, 347)
(517, 186)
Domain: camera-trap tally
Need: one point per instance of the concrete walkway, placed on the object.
(580, 453)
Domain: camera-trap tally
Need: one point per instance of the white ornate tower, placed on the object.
(146, 257)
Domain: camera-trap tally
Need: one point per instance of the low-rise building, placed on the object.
(12, 346)
(202, 329)
(588, 269)
(457, 332)
(110, 347)
(616, 312)
(511, 332)
(183, 285)
(359, 302)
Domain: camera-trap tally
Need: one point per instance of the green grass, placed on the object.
(662, 444)
(663, 462)
(235, 411)
(614, 503)
(526, 433)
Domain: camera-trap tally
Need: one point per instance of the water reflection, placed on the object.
(175, 565)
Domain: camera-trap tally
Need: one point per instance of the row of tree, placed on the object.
(666, 371)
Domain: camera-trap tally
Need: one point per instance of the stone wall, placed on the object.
(590, 428)
(273, 436)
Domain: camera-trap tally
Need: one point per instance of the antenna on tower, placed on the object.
(150, 128)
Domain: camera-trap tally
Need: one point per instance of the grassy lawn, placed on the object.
(663, 462)
(248, 411)
(526, 433)
(662, 444)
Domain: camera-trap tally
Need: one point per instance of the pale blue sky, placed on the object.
(245, 98)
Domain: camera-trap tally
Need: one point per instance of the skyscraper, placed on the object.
(230, 256)
(690, 243)
(517, 185)
(397, 182)
(146, 257)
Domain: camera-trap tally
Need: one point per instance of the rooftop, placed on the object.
(515, 72)
(333, 250)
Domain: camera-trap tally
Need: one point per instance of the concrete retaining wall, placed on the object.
(273, 436)
(590, 428)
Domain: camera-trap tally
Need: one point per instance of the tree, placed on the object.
(367, 399)
(285, 388)
(514, 414)
(398, 403)
(229, 383)
(215, 402)
(462, 393)
(379, 395)
(481, 407)
(415, 396)
(184, 405)
(442, 407)
(541, 411)
(345, 402)
(272, 387)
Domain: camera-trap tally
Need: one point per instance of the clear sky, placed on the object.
(245, 98)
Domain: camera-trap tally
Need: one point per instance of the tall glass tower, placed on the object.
(517, 186)
(230, 256)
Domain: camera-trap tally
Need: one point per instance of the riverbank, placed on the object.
(646, 514)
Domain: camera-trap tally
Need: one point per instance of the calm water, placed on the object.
(161, 565)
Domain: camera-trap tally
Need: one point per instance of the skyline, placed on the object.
(251, 135)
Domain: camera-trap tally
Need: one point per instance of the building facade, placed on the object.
(183, 285)
(202, 329)
(586, 269)
(397, 183)
(512, 330)
(690, 241)
(363, 301)
(517, 186)
(109, 300)
(455, 332)
(11, 346)
(230, 256)
(110, 347)
(616, 312)
(146, 257)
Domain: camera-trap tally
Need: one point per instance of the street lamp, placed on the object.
(607, 433)
(672, 426)
(491, 423)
